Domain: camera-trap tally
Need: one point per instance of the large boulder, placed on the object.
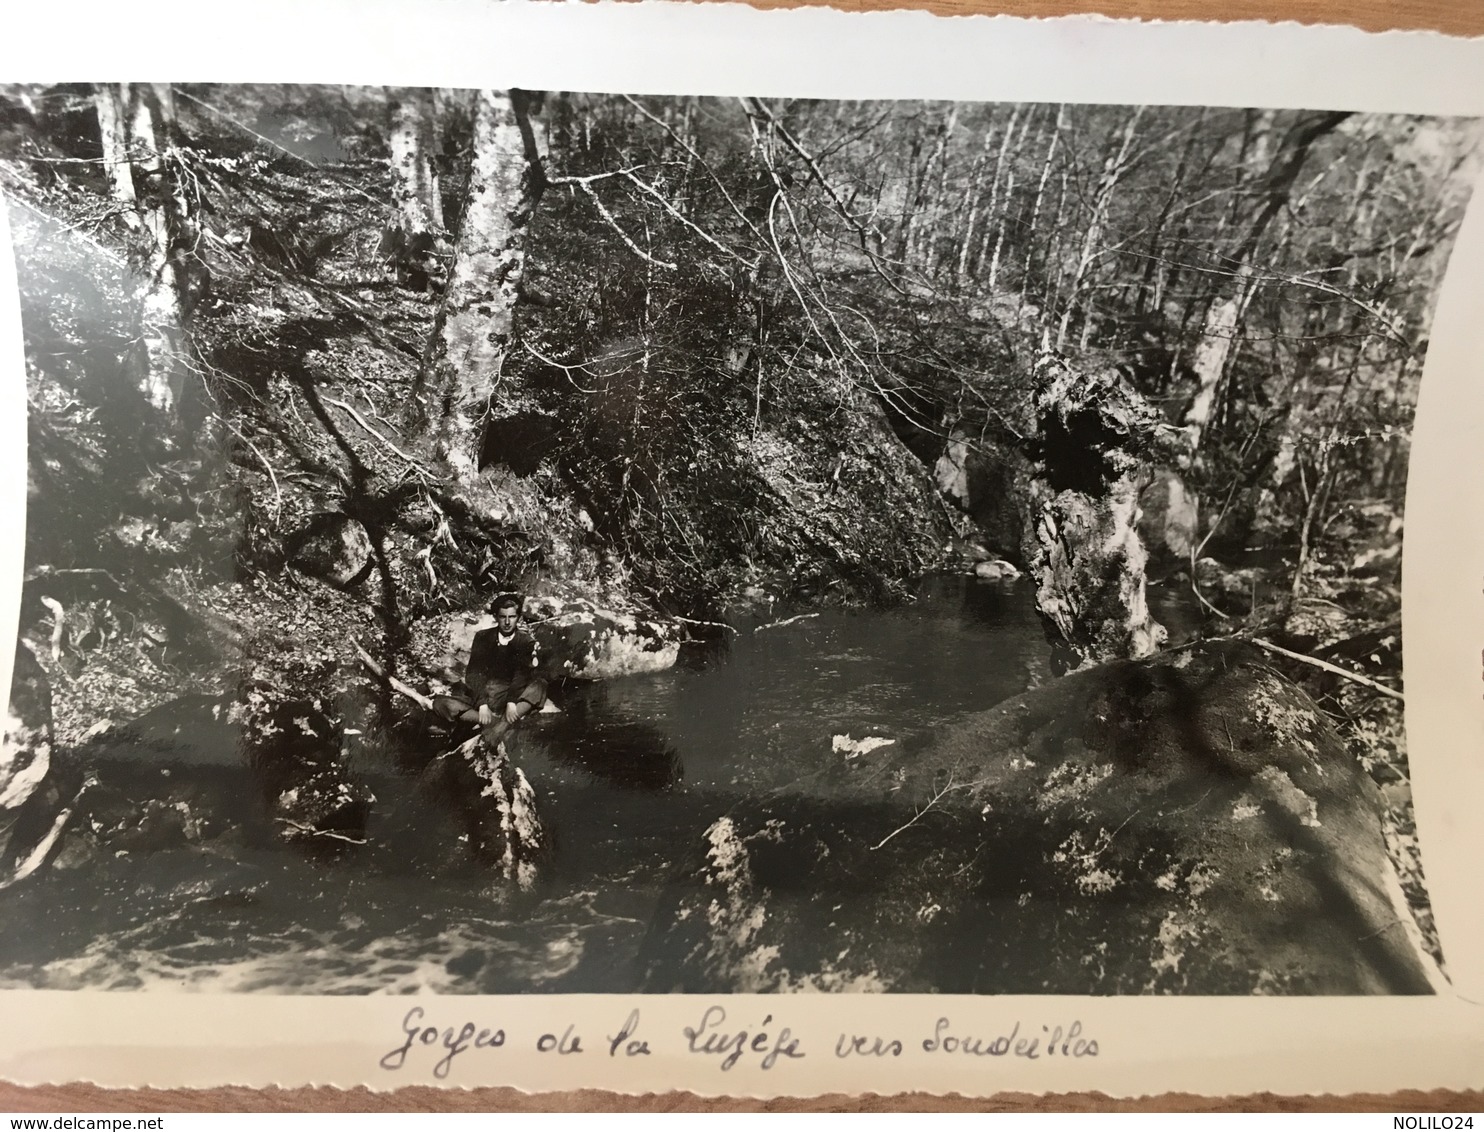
(575, 638)
(1201, 823)
(1094, 437)
(332, 547)
(580, 640)
(494, 806)
(1190, 823)
(294, 749)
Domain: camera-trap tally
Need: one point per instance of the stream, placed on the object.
(631, 775)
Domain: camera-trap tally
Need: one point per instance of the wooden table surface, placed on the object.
(1453, 17)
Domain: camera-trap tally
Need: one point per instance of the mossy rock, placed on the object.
(1190, 823)
(332, 547)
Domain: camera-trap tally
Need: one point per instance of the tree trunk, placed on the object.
(911, 199)
(1031, 230)
(1155, 260)
(929, 250)
(1092, 239)
(1211, 354)
(113, 133)
(999, 243)
(412, 139)
(1051, 296)
(994, 190)
(475, 325)
(171, 271)
(973, 193)
(413, 233)
(1224, 313)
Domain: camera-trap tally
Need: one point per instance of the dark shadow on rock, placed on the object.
(519, 442)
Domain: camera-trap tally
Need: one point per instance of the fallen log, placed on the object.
(381, 673)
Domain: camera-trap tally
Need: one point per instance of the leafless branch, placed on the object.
(272, 476)
(757, 106)
(381, 673)
(563, 366)
(947, 788)
(330, 834)
(646, 187)
(785, 621)
(1366, 681)
(365, 424)
(711, 624)
(622, 235)
(701, 161)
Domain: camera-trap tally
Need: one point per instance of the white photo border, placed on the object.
(1146, 1045)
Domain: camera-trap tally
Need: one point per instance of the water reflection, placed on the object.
(599, 734)
(631, 776)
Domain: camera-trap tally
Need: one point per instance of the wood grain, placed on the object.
(1453, 17)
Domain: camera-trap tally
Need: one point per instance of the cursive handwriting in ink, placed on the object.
(709, 1038)
(1071, 1043)
(998, 1046)
(455, 1042)
(567, 1043)
(634, 1046)
(1068, 1042)
(848, 1044)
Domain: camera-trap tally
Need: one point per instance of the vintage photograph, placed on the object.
(497, 541)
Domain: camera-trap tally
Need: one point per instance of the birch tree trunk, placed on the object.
(912, 192)
(411, 140)
(1031, 231)
(1223, 318)
(999, 242)
(1211, 354)
(1009, 197)
(413, 234)
(973, 193)
(1051, 296)
(170, 270)
(1155, 262)
(110, 100)
(928, 249)
(994, 189)
(1092, 239)
(475, 325)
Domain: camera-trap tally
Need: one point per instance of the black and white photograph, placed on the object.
(500, 541)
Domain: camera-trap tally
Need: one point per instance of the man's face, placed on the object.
(505, 618)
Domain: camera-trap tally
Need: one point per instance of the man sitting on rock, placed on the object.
(502, 681)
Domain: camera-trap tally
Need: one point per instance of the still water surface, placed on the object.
(630, 776)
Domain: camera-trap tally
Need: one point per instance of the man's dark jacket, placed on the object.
(498, 674)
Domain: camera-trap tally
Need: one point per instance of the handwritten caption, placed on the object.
(714, 1039)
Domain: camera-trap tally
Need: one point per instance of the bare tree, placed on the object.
(137, 127)
(111, 102)
(1224, 314)
(474, 329)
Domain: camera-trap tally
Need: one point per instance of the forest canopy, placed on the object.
(683, 280)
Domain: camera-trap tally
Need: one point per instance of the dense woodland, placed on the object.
(678, 357)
